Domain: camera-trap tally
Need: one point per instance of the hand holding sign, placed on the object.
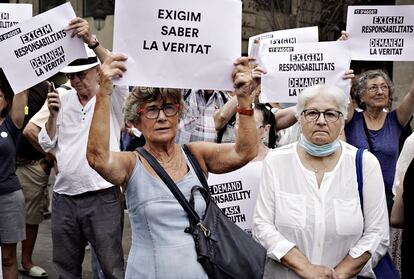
(243, 78)
(80, 28)
(113, 68)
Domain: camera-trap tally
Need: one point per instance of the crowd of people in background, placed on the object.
(310, 222)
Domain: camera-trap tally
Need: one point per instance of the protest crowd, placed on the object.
(320, 189)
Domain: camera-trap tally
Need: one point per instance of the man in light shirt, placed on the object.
(85, 207)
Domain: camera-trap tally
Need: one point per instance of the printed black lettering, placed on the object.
(388, 20)
(179, 15)
(179, 31)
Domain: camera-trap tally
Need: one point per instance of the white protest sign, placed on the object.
(11, 14)
(236, 192)
(384, 33)
(287, 37)
(38, 48)
(178, 44)
(293, 68)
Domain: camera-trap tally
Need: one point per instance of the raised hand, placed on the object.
(344, 36)
(113, 68)
(246, 76)
(80, 28)
(53, 100)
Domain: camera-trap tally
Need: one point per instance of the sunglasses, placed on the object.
(80, 75)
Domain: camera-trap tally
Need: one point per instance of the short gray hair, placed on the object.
(333, 91)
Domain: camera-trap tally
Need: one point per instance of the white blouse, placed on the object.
(404, 161)
(325, 223)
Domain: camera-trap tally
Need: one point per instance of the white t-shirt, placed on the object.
(75, 176)
(325, 223)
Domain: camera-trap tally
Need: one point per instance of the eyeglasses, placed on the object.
(374, 89)
(80, 75)
(329, 115)
(152, 112)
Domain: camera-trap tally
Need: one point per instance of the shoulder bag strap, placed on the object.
(170, 184)
(358, 163)
(367, 133)
(196, 166)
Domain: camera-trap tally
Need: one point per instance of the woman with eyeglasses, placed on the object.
(375, 127)
(308, 214)
(160, 247)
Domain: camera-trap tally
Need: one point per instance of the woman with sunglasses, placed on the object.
(160, 247)
(308, 214)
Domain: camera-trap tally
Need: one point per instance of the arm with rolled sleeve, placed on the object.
(45, 141)
(40, 120)
(375, 238)
(264, 229)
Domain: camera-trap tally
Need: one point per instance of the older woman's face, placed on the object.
(376, 94)
(163, 128)
(320, 131)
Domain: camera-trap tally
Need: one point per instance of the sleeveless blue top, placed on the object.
(160, 248)
(385, 142)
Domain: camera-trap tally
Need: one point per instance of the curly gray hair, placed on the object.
(142, 95)
(361, 84)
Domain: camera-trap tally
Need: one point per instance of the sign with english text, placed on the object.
(381, 33)
(236, 193)
(293, 68)
(178, 44)
(38, 48)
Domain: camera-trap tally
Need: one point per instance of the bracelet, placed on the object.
(95, 45)
(245, 111)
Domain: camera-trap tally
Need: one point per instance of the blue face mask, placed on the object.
(319, 150)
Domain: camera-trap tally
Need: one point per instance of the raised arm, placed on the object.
(80, 28)
(17, 108)
(406, 109)
(114, 167)
(219, 158)
(225, 113)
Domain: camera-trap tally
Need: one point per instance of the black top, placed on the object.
(9, 135)
(407, 246)
(36, 99)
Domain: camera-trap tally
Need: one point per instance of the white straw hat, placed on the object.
(82, 64)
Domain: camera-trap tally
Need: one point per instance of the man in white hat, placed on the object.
(85, 207)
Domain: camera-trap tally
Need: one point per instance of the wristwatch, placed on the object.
(245, 111)
(94, 45)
